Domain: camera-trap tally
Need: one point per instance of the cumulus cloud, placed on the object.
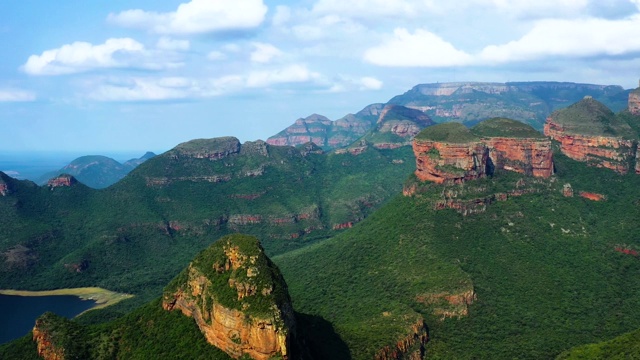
(422, 48)
(141, 89)
(82, 56)
(165, 43)
(196, 17)
(14, 95)
(264, 53)
(570, 38)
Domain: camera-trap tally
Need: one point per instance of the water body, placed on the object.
(18, 314)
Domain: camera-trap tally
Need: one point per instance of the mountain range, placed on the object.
(490, 241)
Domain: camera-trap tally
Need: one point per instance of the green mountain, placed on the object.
(170, 207)
(96, 171)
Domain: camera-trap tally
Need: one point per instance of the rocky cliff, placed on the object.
(212, 149)
(238, 299)
(452, 153)
(326, 133)
(634, 102)
(588, 131)
(64, 180)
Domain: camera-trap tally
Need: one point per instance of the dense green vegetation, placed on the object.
(503, 127)
(626, 346)
(549, 272)
(591, 117)
(135, 236)
(448, 132)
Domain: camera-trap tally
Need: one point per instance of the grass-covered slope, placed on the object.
(448, 132)
(591, 117)
(549, 272)
(503, 127)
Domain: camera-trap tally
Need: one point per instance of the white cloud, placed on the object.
(264, 53)
(282, 15)
(165, 43)
(82, 56)
(370, 83)
(216, 55)
(570, 38)
(290, 74)
(142, 89)
(420, 49)
(368, 8)
(14, 95)
(196, 17)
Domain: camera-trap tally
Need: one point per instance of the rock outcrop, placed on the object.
(212, 149)
(410, 347)
(452, 153)
(238, 299)
(634, 102)
(588, 131)
(64, 180)
(326, 133)
(44, 344)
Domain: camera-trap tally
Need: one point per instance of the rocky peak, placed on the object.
(64, 180)
(238, 299)
(212, 149)
(258, 147)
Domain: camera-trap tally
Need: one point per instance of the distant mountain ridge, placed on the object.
(96, 171)
(465, 102)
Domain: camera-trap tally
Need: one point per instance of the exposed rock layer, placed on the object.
(63, 180)
(232, 314)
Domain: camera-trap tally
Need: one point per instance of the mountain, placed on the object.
(466, 102)
(529, 102)
(326, 133)
(498, 238)
(171, 206)
(97, 171)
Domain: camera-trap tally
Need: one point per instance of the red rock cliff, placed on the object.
(44, 342)
(634, 102)
(242, 324)
(523, 155)
(449, 162)
(612, 153)
(63, 180)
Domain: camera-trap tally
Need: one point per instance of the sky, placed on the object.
(97, 77)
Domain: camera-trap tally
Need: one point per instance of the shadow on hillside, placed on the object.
(318, 340)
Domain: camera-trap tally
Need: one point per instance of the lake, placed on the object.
(19, 313)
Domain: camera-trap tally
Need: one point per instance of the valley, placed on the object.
(399, 234)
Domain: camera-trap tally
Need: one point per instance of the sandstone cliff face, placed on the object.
(411, 347)
(608, 152)
(634, 102)
(4, 189)
(458, 162)
(449, 162)
(238, 299)
(525, 156)
(63, 180)
(46, 349)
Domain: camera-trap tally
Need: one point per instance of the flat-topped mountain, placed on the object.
(528, 102)
(451, 152)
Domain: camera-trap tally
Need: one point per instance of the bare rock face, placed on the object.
(237, 297)
(46, 349)
(454, 154)
(64, 180)
(600, 151)
(4, 188)
(526, 156)
(634, 102)
(588, 131)
(410, 347)
(449, 162)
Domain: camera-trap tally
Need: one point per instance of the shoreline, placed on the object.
(102, 297)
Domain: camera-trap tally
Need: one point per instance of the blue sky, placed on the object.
(136, 75)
